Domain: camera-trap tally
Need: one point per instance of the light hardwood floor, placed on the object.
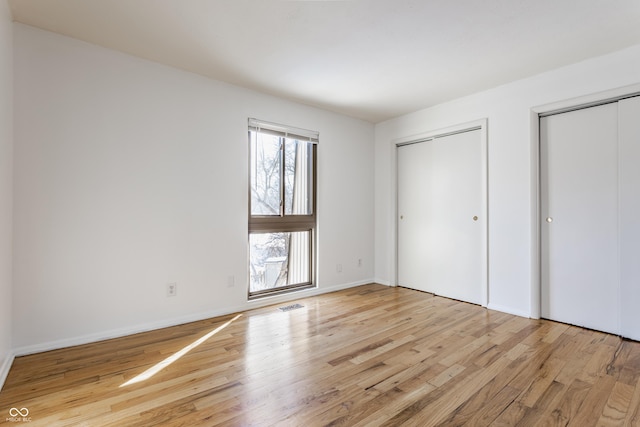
(370, 355)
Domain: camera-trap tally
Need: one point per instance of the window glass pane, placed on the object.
(282, 196)
(265, 174)
(279, 259)
(298, 184)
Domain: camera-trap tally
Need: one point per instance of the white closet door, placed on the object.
(412, 174)
(579, 213)
(629, 143)
(440, 192)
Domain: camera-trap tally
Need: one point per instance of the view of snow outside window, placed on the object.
(278, 259)
(281, 185)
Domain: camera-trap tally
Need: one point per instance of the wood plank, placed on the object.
(366, 356)
(617, 405)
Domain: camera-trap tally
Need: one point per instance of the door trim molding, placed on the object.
(535, 114)
(481, 125)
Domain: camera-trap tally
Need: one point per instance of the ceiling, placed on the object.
(371, 59)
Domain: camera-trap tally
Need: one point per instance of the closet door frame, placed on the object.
(481, 125)
(535, 114)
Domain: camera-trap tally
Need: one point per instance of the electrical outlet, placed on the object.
(172, 289)
(231, 281)
(339, 268)
(359, 262)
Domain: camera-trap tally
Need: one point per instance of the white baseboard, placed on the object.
(165, 323)
(508, 310)
(5, 367)
(383, 282)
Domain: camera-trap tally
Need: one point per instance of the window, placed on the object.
(282, 208)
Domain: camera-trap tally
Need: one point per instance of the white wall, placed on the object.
(511, 173)
(6, 187)
(130, 175)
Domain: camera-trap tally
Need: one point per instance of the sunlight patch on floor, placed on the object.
(169, 360)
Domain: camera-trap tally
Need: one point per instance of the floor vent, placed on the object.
(291, 307)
